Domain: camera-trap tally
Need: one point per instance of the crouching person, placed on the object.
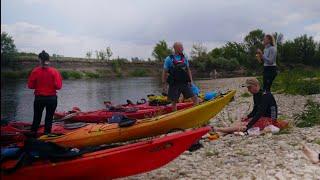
(264, 113)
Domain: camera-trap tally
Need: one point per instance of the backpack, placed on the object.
(34, 150)
(178, 74)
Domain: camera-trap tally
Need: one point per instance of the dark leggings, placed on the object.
(269, 74)
(41, 102)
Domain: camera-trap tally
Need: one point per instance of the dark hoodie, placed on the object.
(264, 106)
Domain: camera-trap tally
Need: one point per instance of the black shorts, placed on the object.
(176, 89)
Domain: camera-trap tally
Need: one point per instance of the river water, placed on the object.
(87, 94)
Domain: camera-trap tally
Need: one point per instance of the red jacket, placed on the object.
(45, 81)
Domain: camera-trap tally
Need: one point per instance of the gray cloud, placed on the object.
(132, 28)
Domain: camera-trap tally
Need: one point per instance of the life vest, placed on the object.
(178, 73)
(158, 100)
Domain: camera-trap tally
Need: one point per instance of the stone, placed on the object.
(243, 157)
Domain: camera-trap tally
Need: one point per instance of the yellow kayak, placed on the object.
(97, 134)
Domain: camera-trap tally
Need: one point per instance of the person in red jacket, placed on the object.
(45, 81)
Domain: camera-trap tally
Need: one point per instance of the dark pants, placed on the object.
(269, 74)
(175, 90)
(41, 102)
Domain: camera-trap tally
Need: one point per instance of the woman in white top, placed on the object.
(268, 57)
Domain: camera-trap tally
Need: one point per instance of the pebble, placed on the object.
(242, 157)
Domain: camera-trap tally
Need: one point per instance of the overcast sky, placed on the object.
(132, 27)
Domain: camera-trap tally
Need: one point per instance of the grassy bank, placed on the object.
(139, 72)
(23, 74)
(81, 74)
(66, 74)
(297, 82)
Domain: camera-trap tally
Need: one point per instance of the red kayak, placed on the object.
(142, 111)
(116, 162)
(15, 131)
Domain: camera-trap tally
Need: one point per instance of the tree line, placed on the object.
(301, 50)
(233, 55)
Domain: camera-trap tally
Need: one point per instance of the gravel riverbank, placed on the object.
(277, 156)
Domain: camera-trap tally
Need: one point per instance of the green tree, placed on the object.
(232, 50)
(302, 50)
(305, 49)
(161, 51)
(237, 51)
(279, 45)
(55, 56)
(232, 55)
(316, 58)
(8, 48)
(222, 63)
(108, 53)
(288, 52)
(278, 38)
(101, 55)
(216, 52)
(89, 54)
(253, 41)
(198, 51)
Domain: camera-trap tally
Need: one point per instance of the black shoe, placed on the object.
(195, 146)
(31, 134)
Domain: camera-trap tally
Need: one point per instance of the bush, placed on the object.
(116, 66)
(308, 87)
(139, 73)
(10, 75)
(75, 74)
(104, 72)
(91, 74)
(310, 117)
(25, 74)
(119, 74)
(250, 72)
(71, 74)
(223, 63)
(200, 65)
(16, 74)
(297, 81)
(246, 94)
(64, 74)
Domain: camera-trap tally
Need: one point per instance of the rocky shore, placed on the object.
(270, 156)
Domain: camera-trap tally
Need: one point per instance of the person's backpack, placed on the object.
(178, 73)
(35, 149)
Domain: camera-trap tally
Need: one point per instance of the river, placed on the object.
(87, 94)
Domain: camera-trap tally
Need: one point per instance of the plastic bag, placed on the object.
(210, 95)
(254, 131)
(271, 128)
(195, 90)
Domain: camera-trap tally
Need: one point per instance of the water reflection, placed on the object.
(17, 99)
